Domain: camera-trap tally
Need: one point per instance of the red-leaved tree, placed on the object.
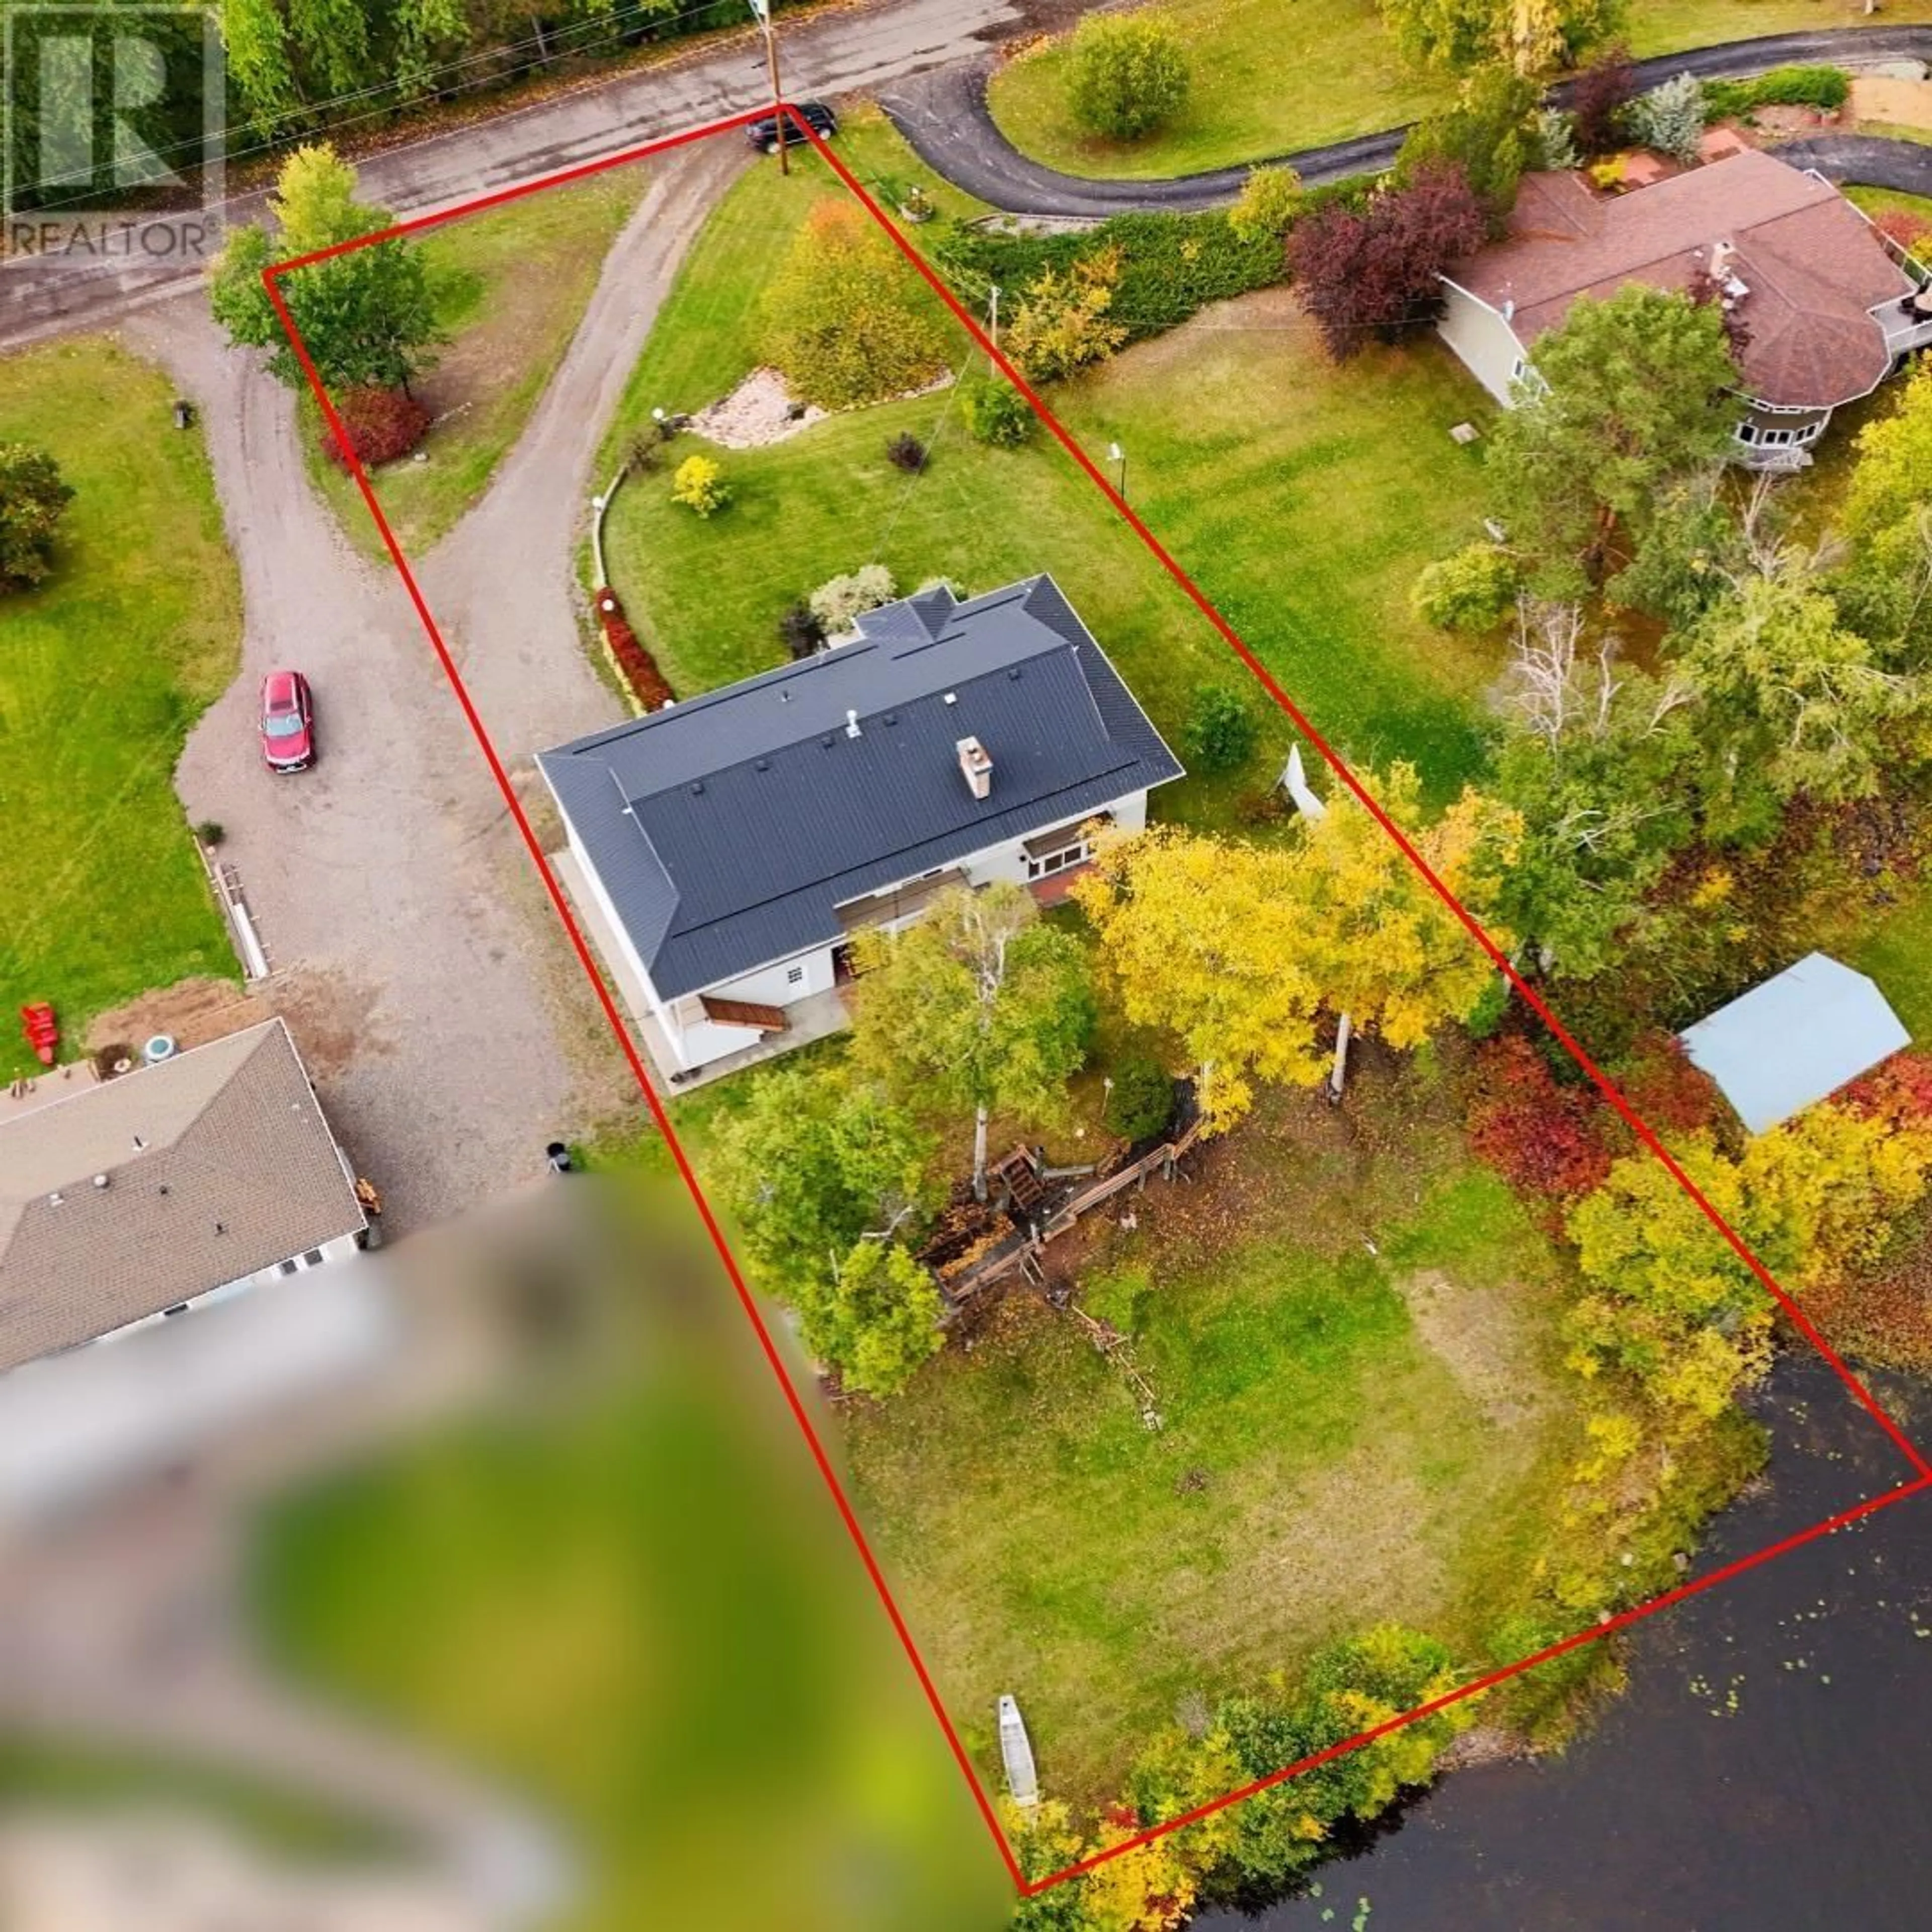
(1597, 99)
(1543, 1138)
(1668, 1092)
(1898, 1090)
(1378, 270)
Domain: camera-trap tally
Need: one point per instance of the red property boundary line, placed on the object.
(1922, 1479)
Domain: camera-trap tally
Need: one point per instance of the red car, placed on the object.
(288, 722)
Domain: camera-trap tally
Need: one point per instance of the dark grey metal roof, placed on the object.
(727, 828)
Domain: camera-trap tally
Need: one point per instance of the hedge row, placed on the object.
(1827, 88)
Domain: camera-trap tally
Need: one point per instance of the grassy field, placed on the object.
(1274, 76)
(512, 284)
(105, 667)
(1304, 497)
(1349, 1432)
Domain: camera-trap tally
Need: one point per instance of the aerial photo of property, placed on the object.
(967, 964)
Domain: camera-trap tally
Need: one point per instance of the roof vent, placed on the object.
(100, 1181)
(696, 786)
(55, 1200)
(1013, 673)
(761, 764)
(951, 698)
(140, 1145)
(851, 724)
(891, 717)
(975, 767)
(827, 741)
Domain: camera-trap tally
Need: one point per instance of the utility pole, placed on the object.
(761, 11)
(993, 334)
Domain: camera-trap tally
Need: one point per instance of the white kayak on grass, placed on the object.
(1016, 1750)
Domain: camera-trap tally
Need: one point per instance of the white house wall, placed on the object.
(1485, 344)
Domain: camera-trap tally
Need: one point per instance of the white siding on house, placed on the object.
(1485, 344)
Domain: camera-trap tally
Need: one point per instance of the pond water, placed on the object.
(1769, 1769)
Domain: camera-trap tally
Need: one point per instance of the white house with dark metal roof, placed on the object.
(727, 848)
(1797, 1038)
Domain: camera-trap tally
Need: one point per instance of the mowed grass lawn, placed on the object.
(104, 668)
(512, 284)
(1274, 76)
(1329, 1455)
(1303, 497)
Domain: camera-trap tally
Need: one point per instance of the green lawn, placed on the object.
(1303, 497)
(1327, 1457)
(105, 667)
(1274, 76)
(512, 285)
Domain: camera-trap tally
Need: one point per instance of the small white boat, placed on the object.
(1016, 1750)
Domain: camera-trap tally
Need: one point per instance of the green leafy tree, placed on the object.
(978, 1005)
(1689, 549)
(1791, 701)
(1532, 36)
(1601, 764)
(1670, 118)
(1627, 396)
(845, 318)
(876, 1319)
(368, 317)
(32, 499)
(255, 36)
(999, 415)
(1126, 74)
(333, 38)
(1491, 134)
(1888, 510)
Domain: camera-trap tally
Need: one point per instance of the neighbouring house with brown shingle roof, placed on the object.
(1831, 308)
(125, 1202)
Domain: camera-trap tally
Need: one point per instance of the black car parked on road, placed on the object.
(763, 133)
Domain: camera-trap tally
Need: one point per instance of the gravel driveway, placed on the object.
(449, 1030)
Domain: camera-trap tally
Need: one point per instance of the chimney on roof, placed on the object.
(975, 767)
(851, 724)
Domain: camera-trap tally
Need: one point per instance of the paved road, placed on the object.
(450, 1033)
(850, 50)
(943, 113)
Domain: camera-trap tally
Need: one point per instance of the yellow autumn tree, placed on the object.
(1385, 951)
(1197, 936)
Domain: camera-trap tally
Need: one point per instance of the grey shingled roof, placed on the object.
(236, 1171)
(1795, 1039)
(727, 829)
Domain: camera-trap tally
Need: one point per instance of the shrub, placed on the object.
(1141, 1101)
(1827, 88)
(1489, 133)
(799, 630)
(845, 320)
(1541, 1138)
(1470, 589)
(643, 452)
(634, 664)
(1668, 1091)
(32, 500)
(1556, 139)
(1220, 731)
(1265, 209)
(1669, 119)
(840, 601)
(905, 451)
(1062, 324)
(382, 425)
(699, 484)
(999, 415)
(1597, 98)
(1125, 73)
(211, 831)
(1903, 229)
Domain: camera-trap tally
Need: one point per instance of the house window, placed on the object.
(1775, 439)
(1042, 865)
(287, 1268)
(794, 976)
(1811, 431)
(1516, 369)
(313, 1258)
(1747, 432)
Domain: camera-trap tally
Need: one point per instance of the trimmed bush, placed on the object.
(211, 831)
(840, 601)
(1469, 590)
(33, 498)
(1264, 210)
(999, 415)
(382, 425)
(1827, 88)
(1141, 1101)
(905, 451)
(1903, 229)
(1598, 97)
(633, 664)
(1125, 73)
(1220, 732)
(699, 484)
(1556, 139)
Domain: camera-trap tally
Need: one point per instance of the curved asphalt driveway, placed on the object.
(944, 114)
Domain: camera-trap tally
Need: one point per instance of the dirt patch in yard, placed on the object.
(1477, 1335)
(1902, 103)
(192, 1012)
